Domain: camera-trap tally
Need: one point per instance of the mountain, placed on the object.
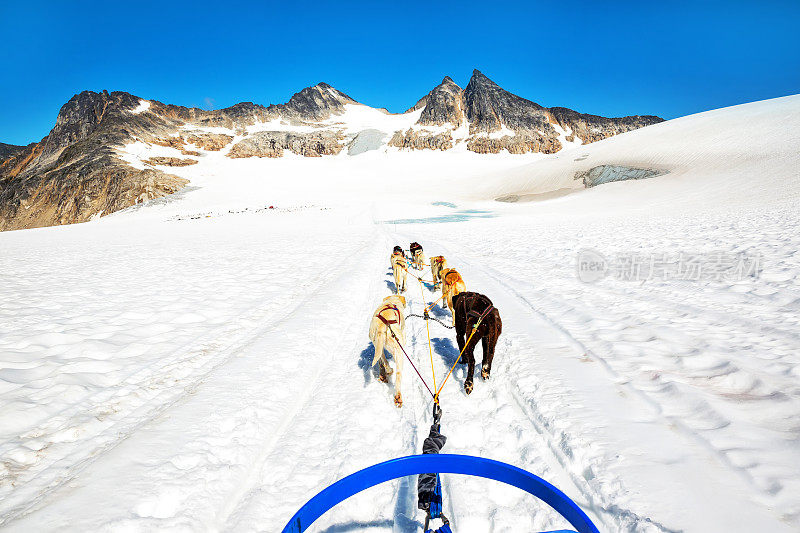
(7, 150)
(109, 151)
(500, 120)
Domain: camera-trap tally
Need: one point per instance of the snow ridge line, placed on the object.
(603, 511)
(672, 420)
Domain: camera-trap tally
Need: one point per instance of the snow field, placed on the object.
(200, 362)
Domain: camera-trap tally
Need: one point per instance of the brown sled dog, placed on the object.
(452, 284)
(473, 309)
(438, 264)
(388, 319)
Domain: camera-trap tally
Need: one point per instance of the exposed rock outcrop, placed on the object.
(8, 150)
(207, 141)
(79, 193)
(171, 161)
(273, 143)
(421, 140)
(521, 143)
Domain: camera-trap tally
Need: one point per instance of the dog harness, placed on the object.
(386, 320)
(452, 272)
(475, 314)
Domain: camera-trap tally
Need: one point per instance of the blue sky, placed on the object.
(607, 58)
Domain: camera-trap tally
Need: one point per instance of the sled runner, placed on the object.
(429, 485)
(445, 464)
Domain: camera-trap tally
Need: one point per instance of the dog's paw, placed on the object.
(468, 387)
(382, 378)
(398, 400)
(485, 373)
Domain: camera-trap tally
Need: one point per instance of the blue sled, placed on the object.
(443, 464)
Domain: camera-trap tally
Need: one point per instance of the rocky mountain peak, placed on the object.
(489, 107)
(81, 115)
(447, 80)
(318, 102)
(443, 105)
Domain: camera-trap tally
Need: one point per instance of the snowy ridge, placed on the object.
(737, 155)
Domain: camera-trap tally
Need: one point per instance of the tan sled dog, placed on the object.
(452, 284)
(398, 262)
(419, 259)
(389, 315)
(438, 264)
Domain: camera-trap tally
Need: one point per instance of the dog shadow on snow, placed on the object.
(438, 311)
(448, 351)
(365, 363)
(391, 285)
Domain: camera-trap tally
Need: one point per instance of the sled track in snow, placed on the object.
(609, 515)
(218, 349)
(688, 431)
(246, 486)
(502, 390)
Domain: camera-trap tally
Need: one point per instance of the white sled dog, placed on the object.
(398, 262)
(389, 315)
(438, 265)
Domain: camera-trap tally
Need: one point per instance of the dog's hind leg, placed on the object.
(379, 357)
(461, 331)
(490, 344)
(469, 354)
(398, 377)
(488, 352)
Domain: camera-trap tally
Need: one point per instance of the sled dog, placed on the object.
(470, 308)
(399, 269)
(389, 318)
(438, 264)
(417, 257)
(452, 284)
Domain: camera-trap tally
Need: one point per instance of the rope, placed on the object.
(410, 361)
(429, 317)
(434, 303)
(417, 277)
(430, 349)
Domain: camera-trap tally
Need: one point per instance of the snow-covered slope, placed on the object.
(201, 361)
(742, 155)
